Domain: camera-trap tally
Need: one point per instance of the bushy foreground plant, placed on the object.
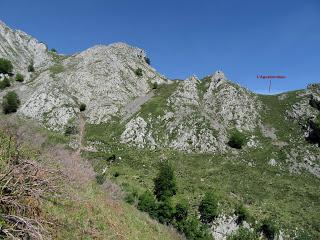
(5, 83)
(10, 103)
(208, 208)
(237, 139)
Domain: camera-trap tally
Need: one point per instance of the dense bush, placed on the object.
(5, 83)
(138, 72)
(10, 102)
(314, 135)
(132, 197)
(5, 66)
(31, 67)
(269, 229)
(19, 77)
(165, 183)
(242, 214)
(147, 203)
(303, 236)
(237, 139)
(193, 229)
(208, 208)
(243, 234)
(165, 211)
(155, 85)
(101, 178)
(82, 107)
(181, 212)
(147, 60)
(53, 50)
(70, 128)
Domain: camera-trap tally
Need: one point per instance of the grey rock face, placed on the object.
(199, 120)
(22, 49)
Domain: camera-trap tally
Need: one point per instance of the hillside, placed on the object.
(133, 119)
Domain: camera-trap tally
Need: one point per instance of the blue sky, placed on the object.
(242, 38)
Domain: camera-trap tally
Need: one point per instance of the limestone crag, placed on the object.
(197, 119)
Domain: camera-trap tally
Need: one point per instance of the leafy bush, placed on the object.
(314, 135)
(237, 139)
(165, 182)
(148, 204)
(138, 72)
(5, 83)
(269, 229)
(53, 50)
(100, 178)
(19, 77)
(10, 102)
(243, 234)
(181, 212)
(70, 128)
(165, 211)
(242, 214)
(147, 60)
(31, 67)
(208, 208)
(82, 107)
(132, 197)
(193, 229)
(155, 85)
(5, 66)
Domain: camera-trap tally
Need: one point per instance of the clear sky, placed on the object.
(242, 38)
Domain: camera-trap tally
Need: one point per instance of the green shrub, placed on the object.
(208, 208)
(100, 178)
(165, 211)
(269, 229)
(165, 182)
(19, 77)
(5, 66)
(243, 234)
(181, 212)
(147, 203)
(132, 197)
(138, 72)
(82, 107)
(53, 50)
(155, 85)
(70, 128)
(147, 60)
(31, 67)
(10, 102)
(5, 83)
(237, 139)
(193, 229)
(242, 214)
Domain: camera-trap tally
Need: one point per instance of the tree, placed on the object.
(82, 107)
(147, 203)
(5, 83)
(165, 182)
(208, 208)
(138, 72)
(237, 139)
(10, 102)
(19, 77)
(31, 67)
(181, 212)
(5, 66)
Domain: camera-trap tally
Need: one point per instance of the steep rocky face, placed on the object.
(22, 49)
(105, 78)
(198, 116)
